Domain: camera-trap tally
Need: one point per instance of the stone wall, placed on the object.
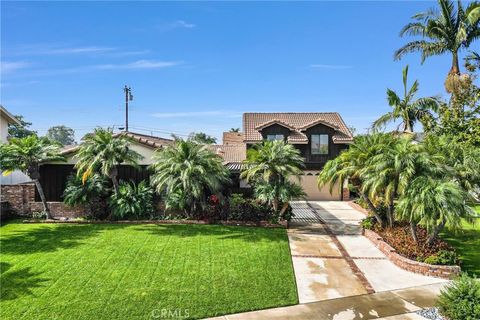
(445, 272)
(21, 199)
(18, 196)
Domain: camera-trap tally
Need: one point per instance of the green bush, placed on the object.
(93, 194)
(443, 257)
(39, 215)
(132, 201)
(247, 209)
(368, 223)
(461, 299)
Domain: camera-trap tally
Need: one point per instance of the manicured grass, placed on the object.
(128, 271)
(467, 243)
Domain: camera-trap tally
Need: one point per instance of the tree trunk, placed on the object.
(371, 207)
(413, 230)
(42, 197)
(455, 66)
(391, 210)
(115, 183)
(435, 233)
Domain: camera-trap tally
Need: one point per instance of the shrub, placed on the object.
(368, 223)
(39, 215)
(443, 257)
(247, 209)
(461, 299)
(132, 201)
(92, 193)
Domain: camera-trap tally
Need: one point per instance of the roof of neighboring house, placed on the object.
(232, 153)
(232, 138)
(8, 116)
(146, 140)
(297, 123)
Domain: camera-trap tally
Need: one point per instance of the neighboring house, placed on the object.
(232, 138)
(7, 118)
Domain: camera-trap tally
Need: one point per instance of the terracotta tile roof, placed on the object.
(298, 122)
(232, 153)
(232, 138)
(146, 140)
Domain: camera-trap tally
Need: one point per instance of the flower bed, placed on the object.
(441, 271)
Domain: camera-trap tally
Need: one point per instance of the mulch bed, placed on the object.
(400, 238)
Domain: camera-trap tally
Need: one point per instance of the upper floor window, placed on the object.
(319, 143)
(273, 137)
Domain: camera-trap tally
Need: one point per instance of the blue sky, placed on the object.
(198, 66)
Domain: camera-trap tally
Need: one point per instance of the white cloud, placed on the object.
(228, 114)
(12, 66)
(330, 66)
(183, 24)
(75, 50)
(140, 64)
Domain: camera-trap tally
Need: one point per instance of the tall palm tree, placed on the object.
(272, 162)
(448, 29)
(26, 154)
(187, 171)
(103, 152)
(408, 109)
(349, 166)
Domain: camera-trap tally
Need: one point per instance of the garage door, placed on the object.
(310, 187)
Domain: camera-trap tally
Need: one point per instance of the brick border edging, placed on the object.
(264, 224)
(357, 207)
(439, 271)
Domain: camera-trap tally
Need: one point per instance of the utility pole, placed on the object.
(128, 97)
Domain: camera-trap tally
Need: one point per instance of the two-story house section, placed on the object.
(320, 136)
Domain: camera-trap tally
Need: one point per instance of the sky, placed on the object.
(197, 66)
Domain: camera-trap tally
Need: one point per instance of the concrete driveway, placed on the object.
(332, 259)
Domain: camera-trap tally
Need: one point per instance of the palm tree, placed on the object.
(408, 109)
(389, 173)
(272, 162)
(350, 164)
(103, 152)
(449, 29)
(187, 171)
(434, 203)
(234, 130)
(281, 193)
(26, 154)
(92, 193)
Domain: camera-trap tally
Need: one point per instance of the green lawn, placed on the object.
(129, 271)
(467, 243)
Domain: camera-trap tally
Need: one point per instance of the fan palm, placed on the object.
(272, 162)
(350, 163)
(408, 109)
(449, 29)
(433, 203)
(187, 171)
(26, 154)
(103, 152)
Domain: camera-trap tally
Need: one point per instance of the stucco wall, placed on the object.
(3, 129)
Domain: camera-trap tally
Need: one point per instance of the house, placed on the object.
(54, 176)
(6, 118)
(319, 136)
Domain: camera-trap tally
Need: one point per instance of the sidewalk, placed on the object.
(391, 305)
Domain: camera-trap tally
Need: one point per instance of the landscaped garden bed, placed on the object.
(135, 271)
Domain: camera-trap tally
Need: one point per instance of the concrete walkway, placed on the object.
(341, 275)
(332, 259)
